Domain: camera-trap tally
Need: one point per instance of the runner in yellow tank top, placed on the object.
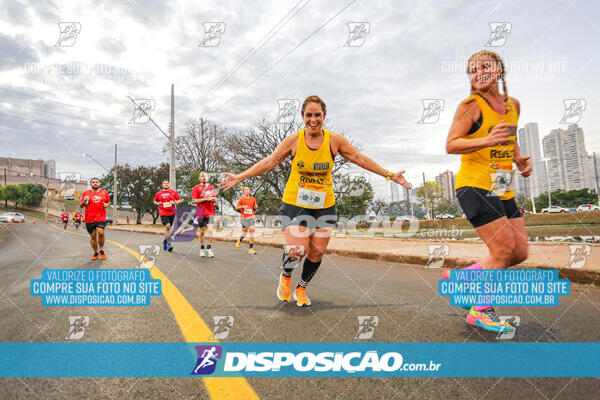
(310, 183)
(483, 132)
(308, 213)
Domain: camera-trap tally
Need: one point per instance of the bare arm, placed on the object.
(463, 119)
(351, 154)
(457, 143)
(266, 164)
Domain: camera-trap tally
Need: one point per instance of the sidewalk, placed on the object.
(460, 254)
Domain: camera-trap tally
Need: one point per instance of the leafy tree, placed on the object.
(570, 199)
(3, 196)
(14, 194)
(136, 183)
(428, 195)
(353, 195)
(32, 194)
(378, 206)
(445, 206)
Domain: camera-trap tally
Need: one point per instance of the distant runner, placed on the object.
(167, 201)
(64, 216)
(95, 202)
(203, 196)
(247, 206)
(77, 219)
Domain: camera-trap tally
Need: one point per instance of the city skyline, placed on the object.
(70, 97)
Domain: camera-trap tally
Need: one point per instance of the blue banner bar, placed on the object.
(300, 359)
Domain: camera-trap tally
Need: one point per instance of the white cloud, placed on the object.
(373, 92)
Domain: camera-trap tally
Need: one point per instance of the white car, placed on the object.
(554, 209)
(587, 207)
(12, 216)
(444, 216)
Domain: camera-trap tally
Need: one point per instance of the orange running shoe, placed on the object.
(95, 256)
(302, 300)
(102, 255)
(284, 291)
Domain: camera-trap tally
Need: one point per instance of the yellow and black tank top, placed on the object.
(310, 184)
(490, 168)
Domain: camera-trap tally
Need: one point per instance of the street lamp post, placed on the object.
(114, 174)
(545, 160)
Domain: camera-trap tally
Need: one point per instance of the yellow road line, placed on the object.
(194, 330)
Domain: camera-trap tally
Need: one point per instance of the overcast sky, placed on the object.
(59, 99)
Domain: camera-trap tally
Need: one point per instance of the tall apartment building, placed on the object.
(447, 181)
(568, 161)
(529, 144)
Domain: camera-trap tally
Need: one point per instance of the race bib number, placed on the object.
(501, 181)
(310, 198)
(168, 204)
(248, 211)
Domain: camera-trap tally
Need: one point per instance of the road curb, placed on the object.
(585, 276)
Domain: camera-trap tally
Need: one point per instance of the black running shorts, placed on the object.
(482, 207)
(91, 226)
(311, 218)
(203, 221)
(167, 219)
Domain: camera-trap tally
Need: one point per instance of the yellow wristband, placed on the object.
(388, 176)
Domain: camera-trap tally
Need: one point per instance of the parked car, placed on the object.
(444, 216)
(69, 197)
(587, 207)
(12, 216)
(554, 209)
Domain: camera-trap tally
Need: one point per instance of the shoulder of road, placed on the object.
(460, 253)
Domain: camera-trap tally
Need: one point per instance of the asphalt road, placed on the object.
(403, 297)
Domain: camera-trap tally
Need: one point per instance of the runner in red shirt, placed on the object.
(167, 201)
(77, 219)
(95, 202)
(64, 216)
(246, 206)
(204, 196)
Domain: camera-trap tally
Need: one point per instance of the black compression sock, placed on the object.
(309, 269)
